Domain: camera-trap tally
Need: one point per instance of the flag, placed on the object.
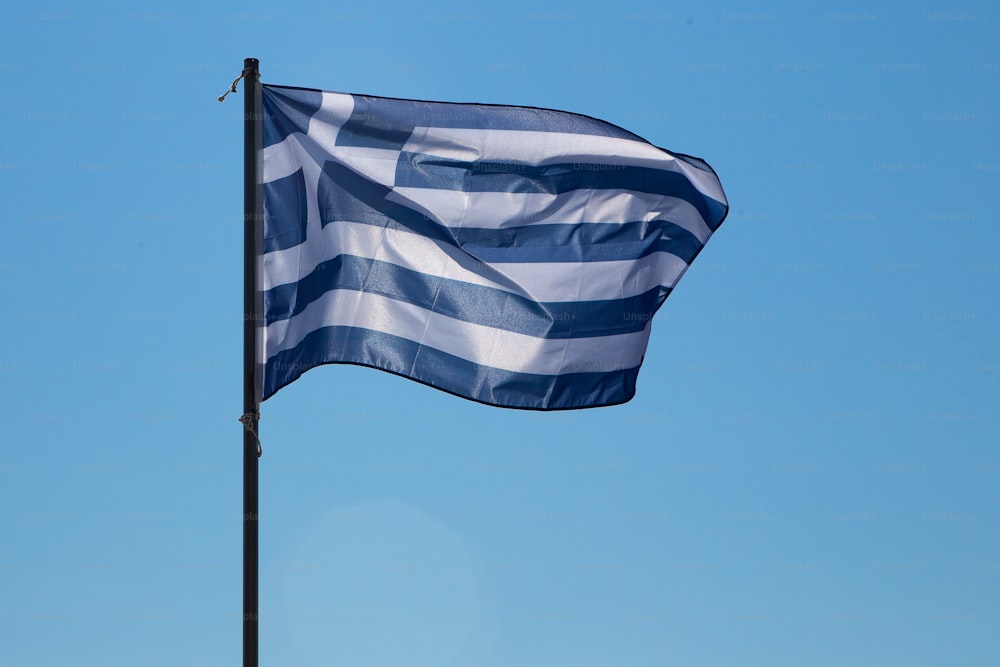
(513, 256)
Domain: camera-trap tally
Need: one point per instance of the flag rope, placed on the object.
(232, 86)
(249, 421)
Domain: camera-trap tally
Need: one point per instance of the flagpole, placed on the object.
(252, 221)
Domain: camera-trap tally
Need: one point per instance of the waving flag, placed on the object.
(513, 256)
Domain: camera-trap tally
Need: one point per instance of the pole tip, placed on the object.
(250, 63)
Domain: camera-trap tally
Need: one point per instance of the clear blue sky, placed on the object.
(809, 474)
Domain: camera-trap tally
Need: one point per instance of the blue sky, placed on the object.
(808, 474)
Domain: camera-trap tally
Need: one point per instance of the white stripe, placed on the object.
(540, 148)
(335, 109)
(283, 158)
(548, 281)
(497, 210)
(473, 342)
(297, 149)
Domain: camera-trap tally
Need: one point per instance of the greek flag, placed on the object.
(510, 255)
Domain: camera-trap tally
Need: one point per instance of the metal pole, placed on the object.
(252, 231)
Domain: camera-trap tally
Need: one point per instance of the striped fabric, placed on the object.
(509, 255)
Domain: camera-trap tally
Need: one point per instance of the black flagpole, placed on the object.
(253, 216)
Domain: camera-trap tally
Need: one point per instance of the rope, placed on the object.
(232, 87)
(249, 421)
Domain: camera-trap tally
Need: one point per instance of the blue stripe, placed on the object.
(578, 242)
(478, 304)
(285, 212)
(380, 122)
(588, 388)
(345, 196)
(419, 170)
(287, 111)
